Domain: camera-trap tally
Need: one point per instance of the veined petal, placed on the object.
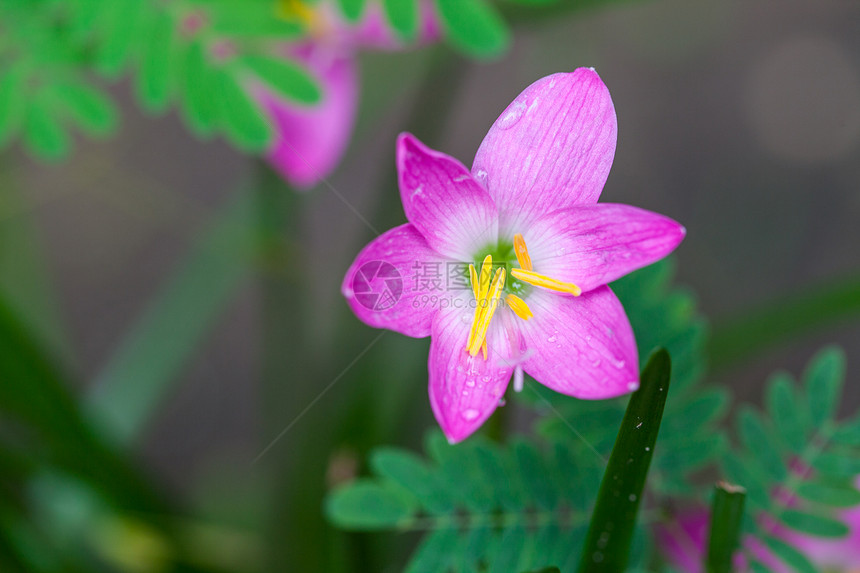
(453, 212)
(583, 346)
(592, 245)
(310, 140)
(551, 148)
(464, 389)
(384, 287)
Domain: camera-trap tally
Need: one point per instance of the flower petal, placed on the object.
(581, 346)
(551, 148)
(464, 389)
(380, 285)
(311, 140)
(453, 212)
(592, 245)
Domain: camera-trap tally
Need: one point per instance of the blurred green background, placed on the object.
(740, 119)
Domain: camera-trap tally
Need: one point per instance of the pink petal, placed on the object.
(380, 286)
(312, 139)
(592, 245)
(464, 389)
(581, 346)
(682, 540)
(453, 212)
(552, 148)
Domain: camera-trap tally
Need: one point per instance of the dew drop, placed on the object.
(512, 115)
(619, 363)
(633, 386)
(639, 425)
(632, 497)
(470, 383)
(485, 378)
(502, 402)
(596, 363)
(552, 339)
(560, 251)
(470, 414)
(647, 449)
(481, 176)
(465, 392)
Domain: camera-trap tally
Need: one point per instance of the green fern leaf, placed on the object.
(403, 15)
(474, 26)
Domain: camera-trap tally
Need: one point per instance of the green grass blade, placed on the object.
(727, 510)
(607, 546)
(752, 332)
(132, 384)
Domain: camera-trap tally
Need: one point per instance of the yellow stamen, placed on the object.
(522, 252)
(483, 324)
(519, 306)
(544, 281)
(480, 286)
(473, 279)
(486, 269)
(484, 348)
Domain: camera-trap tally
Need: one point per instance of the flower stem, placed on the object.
(727, 510)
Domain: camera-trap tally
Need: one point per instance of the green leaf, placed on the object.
(474, 26)
(403, 16)
(131, 386)
(155, 78)
(816, 525)
(246, 124)
(823, 379)
(285, 77)
(727, 511)
(352, 9)
(410, 473)
(836, 495)
(121, 25)
(759, 440)
(837, 464)
(90, 108)
(44, 133)
(848, 434)
(366, 505)
(784, 409)
(433, 555)
(13, 101)
(535, 475)
(610, 533)
(200, 98)
(737, 471)
(790, 555)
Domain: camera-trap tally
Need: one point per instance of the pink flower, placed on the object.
(311, 139)
(522, 235)
(683, 543)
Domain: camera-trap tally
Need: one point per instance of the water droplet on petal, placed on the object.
(481, 176)
(470, 383)
(512, 115)
(552, 339)
(470, 414)
(596, 363)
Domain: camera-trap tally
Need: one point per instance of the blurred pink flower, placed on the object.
(535, 300)
(683, 543)
(311, 139)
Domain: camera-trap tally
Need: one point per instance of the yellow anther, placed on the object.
(544, 281)
(522, 252)
(487, 307)
(486, 269)
(519, 306)
(473, 280)
(480, 286)
(484, 348)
